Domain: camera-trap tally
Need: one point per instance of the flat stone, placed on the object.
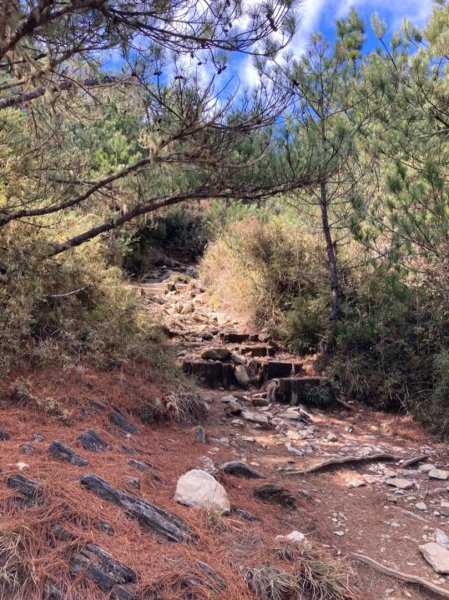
(421, 506)
(400, 483)
(436, 556)
(90, 440)
(426, 468)
(259, 418)
(198, 489)
(241, 469)
(61, 452)
(438, 474)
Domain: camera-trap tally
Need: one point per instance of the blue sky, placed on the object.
(320, 15)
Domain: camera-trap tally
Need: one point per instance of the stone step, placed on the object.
(258, 351)
(212, 374)
(314, 391)
(273, 369)
(231, 337)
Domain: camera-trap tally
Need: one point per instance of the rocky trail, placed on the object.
(95, 496)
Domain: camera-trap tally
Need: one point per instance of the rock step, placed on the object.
(231, 337)
(309, 390)
(258, 351)
(271, 369)
(212, 374)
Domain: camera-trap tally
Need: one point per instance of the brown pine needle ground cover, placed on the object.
(34, 560)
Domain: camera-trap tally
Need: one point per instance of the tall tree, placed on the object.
(328, 116)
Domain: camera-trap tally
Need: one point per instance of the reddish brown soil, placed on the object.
(224, 543)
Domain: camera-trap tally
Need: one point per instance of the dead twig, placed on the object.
(413, 579)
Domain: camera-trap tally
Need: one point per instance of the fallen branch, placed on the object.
(427, 585)
(330, 463)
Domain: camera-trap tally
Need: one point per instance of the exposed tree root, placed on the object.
(331, 463)
(413, 579)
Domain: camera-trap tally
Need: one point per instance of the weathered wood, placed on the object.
(149, 515)
(413, 579)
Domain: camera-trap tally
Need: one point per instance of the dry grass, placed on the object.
(309, 575)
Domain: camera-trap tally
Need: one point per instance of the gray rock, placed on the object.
(442, 539)
(241, 374)
(132, 482)
(99, 566)
(60, 451)
(220, 354)
(245, 515)
(38, 438)
(254, 417)
(128, 449)
(241, 469)
(29, 489)
(150, 516)
(119, 420)
(198, 489)
(438, 474)
(28, 449)
(436, 556)
(90, 440)
(400, 483)
(275, 494)
(200, 434)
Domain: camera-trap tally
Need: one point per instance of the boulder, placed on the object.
(198, 489)
(436, 556)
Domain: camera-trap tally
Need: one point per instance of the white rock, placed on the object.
(442, 539)
(438, 474)
(421, 506)
(295, 537)
(436, 556)
(339, 533)
(426, 468)
(398, 482)
(356, 483)
(200, 490)
(331, 437)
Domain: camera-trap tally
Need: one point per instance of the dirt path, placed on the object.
(350, 509)
(354, 509)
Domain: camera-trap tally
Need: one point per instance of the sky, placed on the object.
(320, 15)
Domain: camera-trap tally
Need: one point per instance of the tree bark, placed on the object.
(331, 257)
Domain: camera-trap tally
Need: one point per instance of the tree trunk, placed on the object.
(331, 258)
